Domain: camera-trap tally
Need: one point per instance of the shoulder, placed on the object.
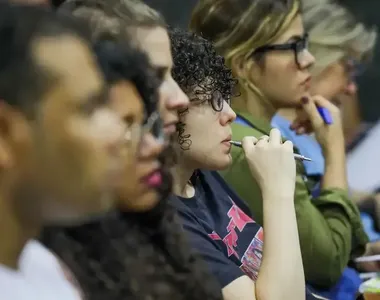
(42, 265)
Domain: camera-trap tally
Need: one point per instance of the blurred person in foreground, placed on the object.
(266, 45)
(59, 145)
(139, 252)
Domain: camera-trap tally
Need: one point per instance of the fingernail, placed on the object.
(304, 100)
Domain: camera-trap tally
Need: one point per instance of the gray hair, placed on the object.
(335, 33)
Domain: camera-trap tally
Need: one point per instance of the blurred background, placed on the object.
(177, 13)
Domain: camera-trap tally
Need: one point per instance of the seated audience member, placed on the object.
(142, 254)
(218, 223)
(341, 46)
(56, 137)
(147, 29)
(266, 45)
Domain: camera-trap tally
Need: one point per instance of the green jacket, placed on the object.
(329, 226)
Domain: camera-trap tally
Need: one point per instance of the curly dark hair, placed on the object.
(197, 65)
(129, 255)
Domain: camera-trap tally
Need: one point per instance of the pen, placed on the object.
(325, 115)
(296, 156)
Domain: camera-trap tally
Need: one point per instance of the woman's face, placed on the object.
(142, 175)
(205, 135)
(281, 75)
(155, 43)
(335, 80)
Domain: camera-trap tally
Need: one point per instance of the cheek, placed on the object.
(279, 73)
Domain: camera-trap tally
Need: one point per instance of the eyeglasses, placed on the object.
(299, 48)
(216, 99)
(153, 125)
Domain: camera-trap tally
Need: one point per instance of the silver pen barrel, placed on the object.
(296, 156)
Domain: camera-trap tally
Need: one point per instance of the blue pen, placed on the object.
(325, 114)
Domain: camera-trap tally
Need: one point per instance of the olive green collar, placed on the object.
(260, 124)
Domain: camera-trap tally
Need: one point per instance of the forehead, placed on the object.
(126, 100)
(294, 29)
(155, 42)
(70, 60)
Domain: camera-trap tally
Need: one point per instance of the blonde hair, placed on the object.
(238, 28)
(335, 33)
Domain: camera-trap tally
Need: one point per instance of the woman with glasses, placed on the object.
(342, 47)
(266, 45)
(217, 221)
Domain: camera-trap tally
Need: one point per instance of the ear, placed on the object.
(12, 132)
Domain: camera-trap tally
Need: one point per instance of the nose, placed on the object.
(228, 114)
(306, 59)
(149, 148)
(351, 88)
(175, 99)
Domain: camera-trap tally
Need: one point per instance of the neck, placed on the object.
(182, 174)
(288, 113)
(255, 105)
(14, 232)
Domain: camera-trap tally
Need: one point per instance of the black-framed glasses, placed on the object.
(299, 47)
(216, 99)
(153, 125)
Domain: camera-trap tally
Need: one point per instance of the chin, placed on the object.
(140, 203)
(221, 164)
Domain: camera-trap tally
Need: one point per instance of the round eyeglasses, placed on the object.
(153, 125)
(299, 47)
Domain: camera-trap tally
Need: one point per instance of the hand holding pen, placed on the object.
(271, 162)
(296, 156)
(320, 116)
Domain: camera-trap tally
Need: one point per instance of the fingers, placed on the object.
(323, 102)
(275, 136)
(289, 146)
(262, 140)
(248, 143)
(311, 110)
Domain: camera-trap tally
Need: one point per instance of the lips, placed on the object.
(170, 128)
(153, 179)
(306, 81)
(228, 139)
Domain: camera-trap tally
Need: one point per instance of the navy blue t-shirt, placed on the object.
(221, 228)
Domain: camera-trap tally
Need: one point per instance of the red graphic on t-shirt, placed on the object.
(251, 261)
(238, 220)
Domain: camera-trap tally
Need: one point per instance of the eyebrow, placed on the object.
(161, 71)
(97, 98)
(295, 37)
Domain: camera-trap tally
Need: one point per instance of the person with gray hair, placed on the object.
(342, 46)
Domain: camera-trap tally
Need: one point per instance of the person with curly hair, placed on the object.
(219, 224)
(266, 45)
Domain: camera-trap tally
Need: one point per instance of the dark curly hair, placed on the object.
(129, 255)
(197, 65)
